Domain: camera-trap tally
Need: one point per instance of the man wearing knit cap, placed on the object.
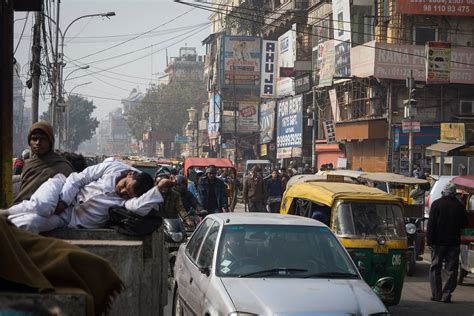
(447, 218)
(44, 162)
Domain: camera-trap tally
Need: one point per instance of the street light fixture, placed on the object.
(78, 68)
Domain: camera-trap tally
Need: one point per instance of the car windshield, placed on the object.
(369, 219)
(281, 251)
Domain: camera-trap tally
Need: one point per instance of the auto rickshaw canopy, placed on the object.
(206, 162)
(465, 183)
(391, 178)
(327, 192)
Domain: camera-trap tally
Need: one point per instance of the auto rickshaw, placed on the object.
(466, 262)
(367, 221)
(412, 191)
(232, 187)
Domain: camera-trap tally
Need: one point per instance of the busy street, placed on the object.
(236, 158)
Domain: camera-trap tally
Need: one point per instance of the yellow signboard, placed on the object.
(453, 133)
(263, 150)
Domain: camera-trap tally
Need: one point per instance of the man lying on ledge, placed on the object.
(83, 199)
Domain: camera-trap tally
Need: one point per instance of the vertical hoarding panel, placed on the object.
(290, 127)
(286, 62)
(240, 62)
(326, 71)
(214, 116)
(267, 121)
(438, 62)
(269, 69)
(248, 117)
(342, 34)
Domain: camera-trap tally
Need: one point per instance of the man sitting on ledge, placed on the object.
(83, 199)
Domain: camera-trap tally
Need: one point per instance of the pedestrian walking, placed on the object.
(255, 192)
(275, 192)
(447, 218)
(213, 192)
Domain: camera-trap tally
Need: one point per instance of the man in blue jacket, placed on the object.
(212, 192)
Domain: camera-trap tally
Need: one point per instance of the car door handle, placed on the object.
(190, 280)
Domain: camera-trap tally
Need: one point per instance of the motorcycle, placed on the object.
(415, 241)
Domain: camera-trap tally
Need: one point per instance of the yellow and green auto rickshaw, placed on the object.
(367, 221)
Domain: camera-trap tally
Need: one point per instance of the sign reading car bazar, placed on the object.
(438, 62)
(269, 69)
(289, 126)
(436, 7)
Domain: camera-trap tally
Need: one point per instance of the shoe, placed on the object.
(435, 299)
(447, 299)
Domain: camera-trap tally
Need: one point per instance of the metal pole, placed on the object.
(235, 115)
(313, 149)
(54, 99)
(410, 133)
(35, 61)
(197, 137)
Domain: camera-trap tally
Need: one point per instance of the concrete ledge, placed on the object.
(68, 304)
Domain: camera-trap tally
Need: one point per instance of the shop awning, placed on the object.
(441, 148)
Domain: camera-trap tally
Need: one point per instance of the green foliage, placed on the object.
(81, 125)
(164, 107)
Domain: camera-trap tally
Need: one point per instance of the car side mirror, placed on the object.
(205, 270)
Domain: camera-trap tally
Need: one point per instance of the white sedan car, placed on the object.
(268, 264)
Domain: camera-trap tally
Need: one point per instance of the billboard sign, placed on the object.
(438, 62)
(394, 61)
(240, 58)
(248, 117)
(214, 116)
(440, 7)
(290, 127)
(267, 121)
(327, 68)
(269, 69)
(411, 126)
(286, 62)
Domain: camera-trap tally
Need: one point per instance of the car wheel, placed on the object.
(177, 307)
(171, 262)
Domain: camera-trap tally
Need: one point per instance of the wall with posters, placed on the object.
(240, 63)
(290, 127)
(286, 62)
(267, 121)
(269, 69)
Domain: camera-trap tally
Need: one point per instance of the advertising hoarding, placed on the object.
(342, 34)
(438, 7)
(248, 117)
(267, 121)
(214, 116)
(394, 61)
(269, 69)
(290, 127)
(327, 68)
(438, 62)
(240, 58)
(286, 62)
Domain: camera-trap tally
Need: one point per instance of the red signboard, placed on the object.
(436, 7)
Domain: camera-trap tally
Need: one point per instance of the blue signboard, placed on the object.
(289, 126)
(426, 136)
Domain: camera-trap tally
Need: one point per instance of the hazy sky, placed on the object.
(129, 65)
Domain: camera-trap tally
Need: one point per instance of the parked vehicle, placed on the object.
(439, 182)
(232, 187)
(265, 166)
(466, 262)
(367, 221)
(415, 241)
(268, 264)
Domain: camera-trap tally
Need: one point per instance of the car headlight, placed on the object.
(177, 237)
(410, 228)
(242, 314)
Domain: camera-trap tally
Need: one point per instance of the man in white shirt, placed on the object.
(82, 200)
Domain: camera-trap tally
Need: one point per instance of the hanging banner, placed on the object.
(327, 69)
(267, 121)
(329, 131)
(214, 116)
(290, 127)
(438, 62)
(248, 117)
(334, 104)
(269, 69)
(240, 58)
(286, 62)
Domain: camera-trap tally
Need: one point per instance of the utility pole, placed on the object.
(235, 116)
(35, 66)
(408, 114)
(56, 76)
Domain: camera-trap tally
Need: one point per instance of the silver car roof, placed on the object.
(264, 219)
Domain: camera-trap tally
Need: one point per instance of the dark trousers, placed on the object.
(256, 207)
(450, 255)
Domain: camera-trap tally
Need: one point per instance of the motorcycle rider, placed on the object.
(190, 202)
(172, 206)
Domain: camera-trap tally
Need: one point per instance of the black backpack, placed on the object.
(129, 223)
